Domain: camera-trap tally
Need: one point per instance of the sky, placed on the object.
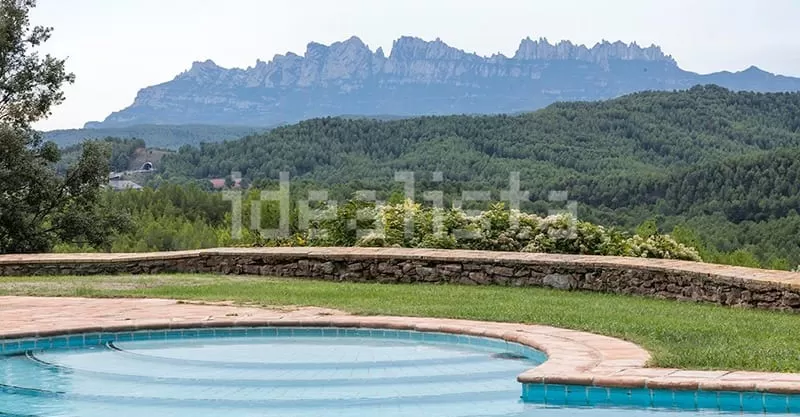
(116, 47)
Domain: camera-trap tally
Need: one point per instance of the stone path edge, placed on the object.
(574, 357)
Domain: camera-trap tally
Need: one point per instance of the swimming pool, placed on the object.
(291, 372)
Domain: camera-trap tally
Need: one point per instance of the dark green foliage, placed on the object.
(676, 157)
(29, 84)
(122, 153)
(757, 186)
(172, 217)
(614, 143)
(186, 217)
(157, 136)
(38, 207)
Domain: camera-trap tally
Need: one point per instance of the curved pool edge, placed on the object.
(574, 358)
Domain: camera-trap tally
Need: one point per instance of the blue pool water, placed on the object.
(288, 372)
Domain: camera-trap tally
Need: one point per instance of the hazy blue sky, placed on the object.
(116, 47)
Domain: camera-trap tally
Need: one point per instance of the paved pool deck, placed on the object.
(574, 357)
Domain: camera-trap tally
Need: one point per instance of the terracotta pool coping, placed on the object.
(574, 357)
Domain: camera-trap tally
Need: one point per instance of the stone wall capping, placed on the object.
(94, 258)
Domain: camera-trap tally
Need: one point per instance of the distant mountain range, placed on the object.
(417, 78)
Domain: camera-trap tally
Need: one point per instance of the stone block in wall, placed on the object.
(390, 269)
(449, 268)
(325, 268)
(303, 267)
(501, 280)
(502, 271)
(560, 281)
(465, 280)
(790, 299)
(522, 273)
(426, 273)
(351, 276)
(251, 269)
(479, 278)
(766, 296)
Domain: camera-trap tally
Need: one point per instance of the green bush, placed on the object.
(410, 225)
(175, 218)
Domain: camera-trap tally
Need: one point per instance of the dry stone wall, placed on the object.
(669, 279)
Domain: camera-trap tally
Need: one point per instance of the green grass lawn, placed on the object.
(682, 335)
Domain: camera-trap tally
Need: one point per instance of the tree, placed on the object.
(29, 85)
(38, 207)
(648, 228)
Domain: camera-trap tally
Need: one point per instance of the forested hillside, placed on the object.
(650, 134)
(122, 152)
(720, 166)
(156, 136)
(757, 186)
(741, 210)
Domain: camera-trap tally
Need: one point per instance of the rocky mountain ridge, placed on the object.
(417, 77)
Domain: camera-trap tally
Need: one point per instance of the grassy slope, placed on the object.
(677, 334)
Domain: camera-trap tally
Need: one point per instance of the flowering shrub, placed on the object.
(660, 246)
(411, 225)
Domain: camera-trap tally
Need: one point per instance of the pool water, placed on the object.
(274, 372)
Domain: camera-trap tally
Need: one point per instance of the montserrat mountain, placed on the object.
(418, 77)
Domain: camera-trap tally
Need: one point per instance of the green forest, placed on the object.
(157, 136)
(651, 134)
(718, 169)
(715, 169)
(122, 152)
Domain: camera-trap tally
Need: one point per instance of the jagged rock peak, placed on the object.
(412, 48)
(354, 40)
(352, 43)
(600, 52)
(202, 71)
(418, 77)
(350, 62)
(204, 65)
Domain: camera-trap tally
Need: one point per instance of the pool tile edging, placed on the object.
(574, 357)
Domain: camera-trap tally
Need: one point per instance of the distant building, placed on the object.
(219, 183)
(122, 185)
(147, 168)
